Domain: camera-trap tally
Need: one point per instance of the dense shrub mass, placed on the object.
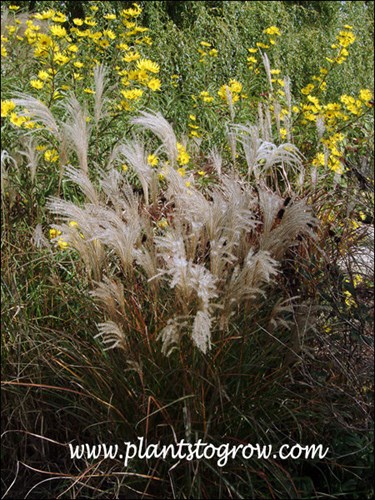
(187, 212)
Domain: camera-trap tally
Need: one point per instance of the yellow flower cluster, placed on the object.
(77, 49)
(194, 128)
(345, 38)
(6, 108)
(207, 51)
(272, 32)
(234, 88)
(183, 157)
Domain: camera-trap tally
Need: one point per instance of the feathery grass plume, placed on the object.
(146, 258)
(110, 182)
(39, 112)
(281, 308)
(244, 283)
(201, 334)
(135, 154)
(296, 221)
(111, 333)
(80, 178)
(6, 158)
(320, 126)
(217, 161)
(80, 236)
(110, 294)
(208, 261)
(77, 131)
(248, 136)
(192, 281)
(31, 155)
(119, 193)
(277, 114)
(120, 236)
(267, 67)
(232, 144)
(229, 98)
(100, 73)
(262, 156)
(38, 239)
(270, 204)
(288, 117)
(170, 336)
(157, 124)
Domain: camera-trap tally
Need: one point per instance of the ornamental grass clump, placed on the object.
(206, 256)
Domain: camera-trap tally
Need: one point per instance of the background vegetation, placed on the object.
(306, 377)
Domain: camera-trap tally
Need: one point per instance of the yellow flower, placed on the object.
(253, 51)
(213, 53)
(77, 21)
(110, 17)
(13, 7)
(43, 75)
(132, 12)
(262, 45)
(59, 17)
(132, 56)
(206, 96)
(365, 94)
(46, 14)
(148, 65)
(4, 52)
(72, 48)
(202, 173)
(73, 223)
(314, 100)
(37, 84)
(272, 30)
(349, 301)
(60, 58)
(162, 223)
(109, 34)
(18, 121)
(183, 157)
(132, 94)
(152, 160)
(53, 233)
(345, 38)
(122, 46)
(58, 31)
(306, 90)
(319, 160)
(6, 108)
(181, 171)
(88, 91)
(51, 155)
(192, 118)
(194, 133)
(124, 167)
(89, 21)
(62, 244)
(154, 84)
